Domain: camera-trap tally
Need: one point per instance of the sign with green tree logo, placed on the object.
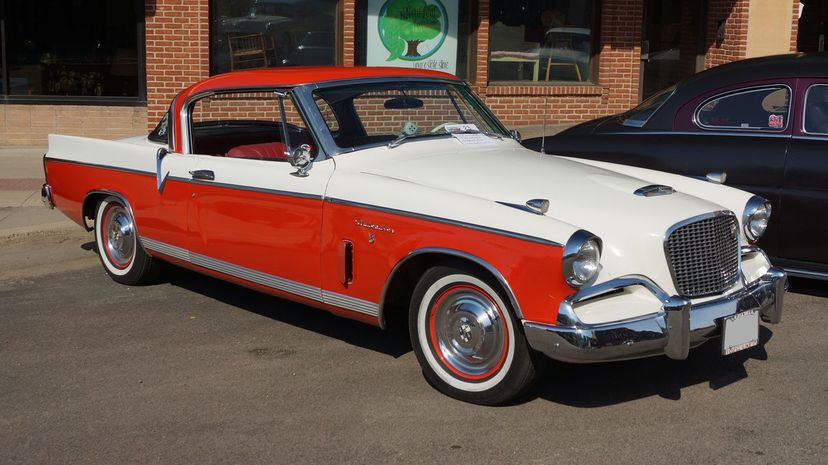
(413, 34)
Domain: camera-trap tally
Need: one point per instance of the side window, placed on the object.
(247, 125)
(756, 109)
(816, 110)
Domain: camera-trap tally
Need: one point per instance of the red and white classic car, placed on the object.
(394, 196)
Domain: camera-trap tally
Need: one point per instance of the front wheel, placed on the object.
(121, 253)
(466, 338)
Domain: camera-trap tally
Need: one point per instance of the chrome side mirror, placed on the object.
(300, 158)
(515, 134)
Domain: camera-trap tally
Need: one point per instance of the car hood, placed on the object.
(597, 199)
(578, 193)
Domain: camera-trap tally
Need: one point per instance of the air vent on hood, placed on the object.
(654, 190)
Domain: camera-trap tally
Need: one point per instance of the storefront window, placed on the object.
(248, 34)
(73, 50)
(420, 34)
(540, 40)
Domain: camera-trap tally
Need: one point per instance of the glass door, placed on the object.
(672, 45)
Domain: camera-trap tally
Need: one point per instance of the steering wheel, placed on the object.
(441, 126)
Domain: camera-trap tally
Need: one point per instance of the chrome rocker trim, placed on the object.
(673, 331)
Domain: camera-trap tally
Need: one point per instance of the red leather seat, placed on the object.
(264, 151)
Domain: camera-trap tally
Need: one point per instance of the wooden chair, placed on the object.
(247, 51)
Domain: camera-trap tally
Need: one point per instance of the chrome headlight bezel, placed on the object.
(580, 245)
(756, 218)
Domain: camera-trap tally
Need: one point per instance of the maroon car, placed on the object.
(759, 124)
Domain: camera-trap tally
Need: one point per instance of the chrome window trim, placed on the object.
(805, 112)
(744, 90)
(694, 219)
(189, 104)
(437, 219)
(305, 93)
(455, 253)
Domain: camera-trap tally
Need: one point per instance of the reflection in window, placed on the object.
(540, 40)
(78, 48)
(247, 125)
(754, 109)
(265, 33)
(816, 110)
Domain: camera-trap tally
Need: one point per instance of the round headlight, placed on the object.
(756, 217)
(581, 258)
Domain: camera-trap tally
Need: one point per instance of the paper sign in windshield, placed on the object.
(473, 138)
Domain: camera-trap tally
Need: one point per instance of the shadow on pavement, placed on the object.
(302, 316)
(812, 287)
(598, 385)
(587, 386)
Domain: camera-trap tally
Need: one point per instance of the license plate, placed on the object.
(741, 331)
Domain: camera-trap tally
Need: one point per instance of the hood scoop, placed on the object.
(654, 190)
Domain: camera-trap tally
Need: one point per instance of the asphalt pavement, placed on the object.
(195, 370)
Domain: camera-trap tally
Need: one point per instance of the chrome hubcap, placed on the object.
(120, 238)
(469, 332)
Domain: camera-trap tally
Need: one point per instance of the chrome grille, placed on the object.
(704, 255)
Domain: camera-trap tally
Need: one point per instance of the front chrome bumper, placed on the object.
(672, 331)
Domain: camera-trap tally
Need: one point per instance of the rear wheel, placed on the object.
(122, 255)
(467, 339)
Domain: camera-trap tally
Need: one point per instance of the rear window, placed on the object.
(760, 108)
(638, 116)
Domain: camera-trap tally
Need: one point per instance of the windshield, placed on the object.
(638, 116)
(364, 115)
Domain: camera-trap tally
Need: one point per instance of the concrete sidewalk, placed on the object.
(21, 210)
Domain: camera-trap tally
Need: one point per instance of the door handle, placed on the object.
(206, 175)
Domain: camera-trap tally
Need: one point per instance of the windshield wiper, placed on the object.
(404, 137)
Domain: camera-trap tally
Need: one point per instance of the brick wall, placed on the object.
(31, 124)
(794, 23)
(177, 51)
(618, 75)
(735, 14)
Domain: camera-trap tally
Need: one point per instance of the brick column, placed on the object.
(348, 32)
(480, 76)
(619, 66)
(177, 50)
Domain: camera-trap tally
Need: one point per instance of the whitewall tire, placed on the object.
(120, 251)
(466, 338)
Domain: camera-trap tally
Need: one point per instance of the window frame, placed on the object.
(805, 110)
(594, 56)
(138, 100)
(185, 115)
(745, 90)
